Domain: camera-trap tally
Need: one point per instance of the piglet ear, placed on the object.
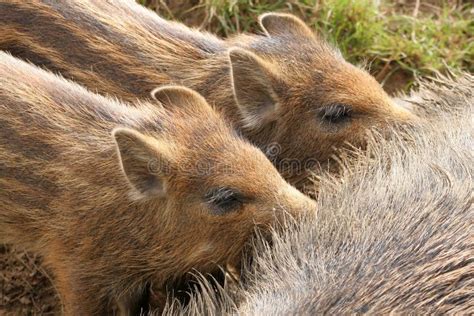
(144, 161)
(283, 24)
(252, 84)
(174, 97)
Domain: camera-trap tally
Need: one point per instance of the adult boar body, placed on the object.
(288, 91)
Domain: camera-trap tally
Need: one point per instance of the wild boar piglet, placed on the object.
(115, 196)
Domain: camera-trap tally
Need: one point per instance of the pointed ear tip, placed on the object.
(174, 95)
(154, 92)
(123, 135)
(275, 23)
(236, 51)
(239, 54)
(165, 93)
(118, 131)
(279, 15)
(271, 14)
(170, 89)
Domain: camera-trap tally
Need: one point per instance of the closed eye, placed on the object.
(335, 113)
(224, 200)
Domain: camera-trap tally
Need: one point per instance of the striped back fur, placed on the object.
(288, 91)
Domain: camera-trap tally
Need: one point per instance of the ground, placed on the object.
(25, 288)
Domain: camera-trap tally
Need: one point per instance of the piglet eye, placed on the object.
(224, 200)
(335, 113)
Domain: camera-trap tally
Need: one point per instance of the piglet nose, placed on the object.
(296, 203)
(403, 111)
(402, 103)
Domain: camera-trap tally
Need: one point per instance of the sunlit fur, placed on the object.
(63, 193)
(393, 234)
(272, 85)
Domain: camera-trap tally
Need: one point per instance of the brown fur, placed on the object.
(110, 213)
(279, 88)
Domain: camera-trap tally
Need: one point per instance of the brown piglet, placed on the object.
(114, 196)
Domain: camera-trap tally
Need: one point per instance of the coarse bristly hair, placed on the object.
(394, 232)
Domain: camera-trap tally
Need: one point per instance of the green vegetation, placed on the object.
(399, 41)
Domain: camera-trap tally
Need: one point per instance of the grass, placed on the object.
(399, 41)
